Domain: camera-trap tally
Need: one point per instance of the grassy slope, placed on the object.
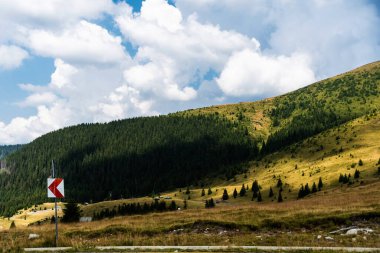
(358, 138)
(332, 94)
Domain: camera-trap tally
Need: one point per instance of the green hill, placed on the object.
(137, 157)
(125, 158)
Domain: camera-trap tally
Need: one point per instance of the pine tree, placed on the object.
(279, 199)
(13, 225)
(357, 174)
(301, 192)
(211, 202)
(242, 191)
(307, 189)
(203, 193)
(225, 195)
(271, 194)
(173, 206)
(259, 198)
(341, 178)
(255, 186)
(71, 213)
(187, 190)
(279, 183)
(209, 192)
(320, 184)
(235, 193)
(360, 162)
(314, 188)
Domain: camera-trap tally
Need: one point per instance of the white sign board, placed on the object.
(55, 188)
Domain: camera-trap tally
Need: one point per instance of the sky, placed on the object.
(66, 62)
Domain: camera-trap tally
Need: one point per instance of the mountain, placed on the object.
(137, 157)
(8, 149)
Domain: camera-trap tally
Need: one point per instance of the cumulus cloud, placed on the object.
(337, 35)
(11, 56)
(37, 99)
(247, 73)
(47, 119)
(85, 42)
(174, 52)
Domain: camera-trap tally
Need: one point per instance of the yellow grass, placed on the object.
(246, 224)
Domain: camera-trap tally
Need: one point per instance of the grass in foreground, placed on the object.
(293, 223)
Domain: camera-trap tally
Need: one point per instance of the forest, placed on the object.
(126, 158)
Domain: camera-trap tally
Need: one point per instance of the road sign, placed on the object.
(56, 188)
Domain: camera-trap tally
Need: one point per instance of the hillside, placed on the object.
(285, 119)
(299, 164)
(242, 221)
(126, 158)
(200, 147)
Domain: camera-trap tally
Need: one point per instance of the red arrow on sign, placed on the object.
(53, 187)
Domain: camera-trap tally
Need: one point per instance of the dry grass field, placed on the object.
(296, 222)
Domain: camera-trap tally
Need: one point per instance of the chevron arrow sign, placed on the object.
(56, 188)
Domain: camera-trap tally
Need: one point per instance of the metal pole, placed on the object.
(55, 208)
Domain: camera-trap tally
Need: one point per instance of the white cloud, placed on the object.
(37, 99)
(337, 35)
(165, 15)
(62, 74)
(11, 56)
(21, 129)
(247, 73)
(167, 61)
(85, 42)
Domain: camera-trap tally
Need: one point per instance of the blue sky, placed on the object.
(71, 61)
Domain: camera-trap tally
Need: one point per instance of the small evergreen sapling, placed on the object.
(225, 195)
(255, 186)
(320, 184)
(279, 183)
(307, 189)
(242, 191)
(209, 192)
(203, 193)
(314, 188)
(357, 174)
(271, 194)
(235, 193)
(279, 199)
